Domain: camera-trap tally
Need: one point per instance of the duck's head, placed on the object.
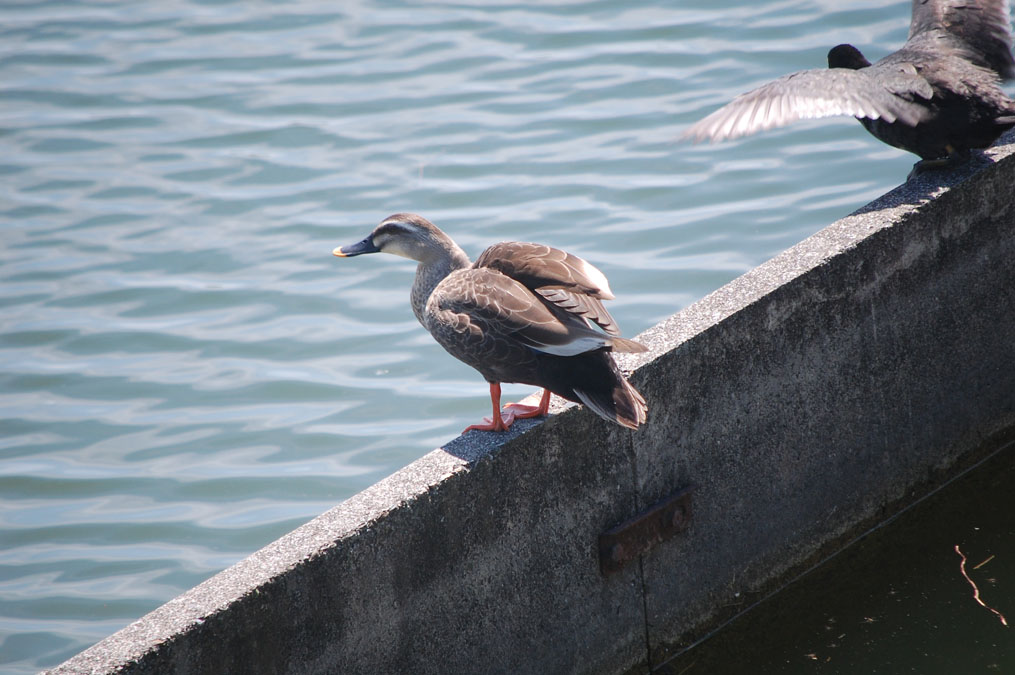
(405, 234)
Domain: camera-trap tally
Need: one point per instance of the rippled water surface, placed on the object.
(187, 373)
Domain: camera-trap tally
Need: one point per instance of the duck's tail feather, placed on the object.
(623, 404)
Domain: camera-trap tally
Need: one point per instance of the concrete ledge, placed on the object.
(803, 400)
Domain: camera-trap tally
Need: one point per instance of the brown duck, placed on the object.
(522, 313)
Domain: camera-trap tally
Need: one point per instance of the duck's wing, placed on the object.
(827, 92)
(983, 27)
(483, 306)
(567, 281)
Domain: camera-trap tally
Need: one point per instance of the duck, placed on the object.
(523, 313)
(938, 97)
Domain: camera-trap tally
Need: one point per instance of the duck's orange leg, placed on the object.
(522, 411)
(498, 423)
(501, 421)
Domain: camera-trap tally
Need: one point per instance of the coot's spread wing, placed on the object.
(872, 93)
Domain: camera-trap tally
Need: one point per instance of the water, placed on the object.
(187, 373)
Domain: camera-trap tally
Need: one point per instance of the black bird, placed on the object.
(521, 313)
(938, 96)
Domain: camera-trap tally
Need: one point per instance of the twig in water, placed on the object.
(984, 562)
(976, 591)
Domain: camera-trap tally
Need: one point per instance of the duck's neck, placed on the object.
(430, 272)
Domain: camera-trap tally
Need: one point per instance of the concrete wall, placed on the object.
(804, 400)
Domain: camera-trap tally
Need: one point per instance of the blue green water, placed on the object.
(186, 372)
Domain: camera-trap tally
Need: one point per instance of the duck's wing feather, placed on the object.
(488, 305)
(982, 27)
(566, 280)
(873, 93)
(582, 305)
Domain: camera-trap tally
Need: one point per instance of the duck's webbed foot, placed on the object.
(499, 421)
(503, 419)
(520, 411)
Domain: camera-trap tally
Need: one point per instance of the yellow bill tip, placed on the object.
(338, 251)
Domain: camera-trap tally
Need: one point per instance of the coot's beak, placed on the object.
(365, 246)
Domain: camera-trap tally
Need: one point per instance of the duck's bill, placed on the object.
(365, 246)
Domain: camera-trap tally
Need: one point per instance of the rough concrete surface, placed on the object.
(876, 352)
(802, 399)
